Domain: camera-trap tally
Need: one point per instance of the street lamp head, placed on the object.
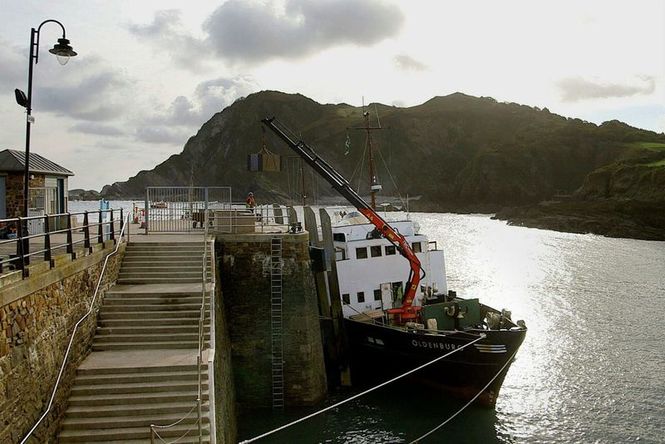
(63, 51)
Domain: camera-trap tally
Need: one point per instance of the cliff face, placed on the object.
(456, 152)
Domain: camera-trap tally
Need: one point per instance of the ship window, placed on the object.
(390, 250)
(361, 253)
(375, 251)
(346, 300)
(377, 295)
(339, 237)
(361, 296)
(416, 247)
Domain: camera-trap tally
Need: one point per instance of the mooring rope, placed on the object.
(416, 441)
(383, 384)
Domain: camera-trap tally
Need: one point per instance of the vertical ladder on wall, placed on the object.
(276, 323)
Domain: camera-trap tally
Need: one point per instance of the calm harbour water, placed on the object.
(591, 370)
(592, 367)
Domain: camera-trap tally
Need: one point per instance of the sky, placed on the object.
(149, 73)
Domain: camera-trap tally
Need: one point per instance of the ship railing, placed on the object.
(26, 241)
(239, 219)
(123, 236)
(208, 283)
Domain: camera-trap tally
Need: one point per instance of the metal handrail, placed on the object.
(199, 357)
(22, 238)
(71, 338)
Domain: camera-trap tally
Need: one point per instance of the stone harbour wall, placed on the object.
(244, 261)
(224, 390)
(37, 317)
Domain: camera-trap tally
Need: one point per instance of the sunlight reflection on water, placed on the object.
(588, 370)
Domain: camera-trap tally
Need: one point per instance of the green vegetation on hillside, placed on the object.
(456, 152)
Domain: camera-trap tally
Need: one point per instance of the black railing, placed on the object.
(27, 239)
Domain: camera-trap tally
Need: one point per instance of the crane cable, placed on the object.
(304, 418)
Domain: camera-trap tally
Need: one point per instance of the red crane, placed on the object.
(339, 183)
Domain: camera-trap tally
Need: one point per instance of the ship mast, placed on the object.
(374, 185)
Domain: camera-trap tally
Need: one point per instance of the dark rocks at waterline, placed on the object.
(612, 218)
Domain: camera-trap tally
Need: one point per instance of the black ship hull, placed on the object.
(380, 352)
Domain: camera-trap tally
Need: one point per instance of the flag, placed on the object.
(347, 145)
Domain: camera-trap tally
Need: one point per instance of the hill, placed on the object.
(458, 153)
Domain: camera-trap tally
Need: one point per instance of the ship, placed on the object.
(403, 321)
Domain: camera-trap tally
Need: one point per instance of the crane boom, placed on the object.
(339, 183)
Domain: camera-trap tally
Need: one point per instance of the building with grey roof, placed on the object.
(48, 185)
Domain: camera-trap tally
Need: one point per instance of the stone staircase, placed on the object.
(162, 262)
(143, 369)
(149, 317)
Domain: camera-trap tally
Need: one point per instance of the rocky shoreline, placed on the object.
(623, 219)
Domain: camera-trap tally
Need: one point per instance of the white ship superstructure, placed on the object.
(371, 272)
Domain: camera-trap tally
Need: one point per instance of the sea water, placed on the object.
(592, 366)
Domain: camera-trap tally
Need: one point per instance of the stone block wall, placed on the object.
(14, 192)
(37, 316)
(224, 390)
(245, 282)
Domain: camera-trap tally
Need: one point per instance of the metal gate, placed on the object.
(182, 209)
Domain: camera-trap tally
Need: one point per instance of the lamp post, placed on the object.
(63, 51)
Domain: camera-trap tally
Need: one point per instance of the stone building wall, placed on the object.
(245, 283)
(37, 316)
(14, 192)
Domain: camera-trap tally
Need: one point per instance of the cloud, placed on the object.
(14, 72)
(209, 97)
(408, 63)
(167, 31)
(161, 135)
(99, 129)
(254, 32)
(575, 89)
(96, 97)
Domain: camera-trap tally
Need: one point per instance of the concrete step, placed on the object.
(164, 259)
(143, 337)
(156, 266)
(159, 280)
(96, 400)
(164, 252)
(134, 370)
(152, 294)
(124, 434)
(153, 300)
(115, 422)
(112, 308)
(155, 329)
(176, 245)
(140, 387)
(143, 322)
(142, 369)
(160, 272)
(96, 379)
(163, 345)
(132, 409)
(166, 314)
(191, 438)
